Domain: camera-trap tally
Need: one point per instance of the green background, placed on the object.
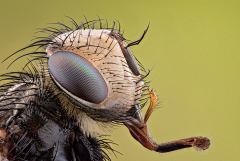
(195, 46)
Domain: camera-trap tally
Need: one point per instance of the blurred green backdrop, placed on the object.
(196, 48)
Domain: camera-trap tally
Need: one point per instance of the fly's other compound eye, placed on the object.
(78, 76)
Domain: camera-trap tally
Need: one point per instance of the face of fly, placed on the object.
(98, 73)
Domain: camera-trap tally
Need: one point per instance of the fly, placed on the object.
(79, 82)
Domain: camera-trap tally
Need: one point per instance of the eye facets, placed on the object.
(78, 76)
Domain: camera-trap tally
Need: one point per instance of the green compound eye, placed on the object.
(78, 76)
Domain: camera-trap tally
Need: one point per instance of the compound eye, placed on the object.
(78, 76)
